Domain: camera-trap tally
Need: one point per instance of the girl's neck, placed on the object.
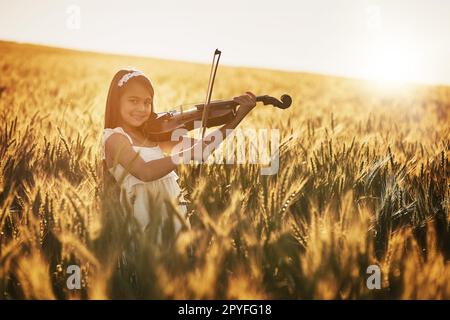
(132, 130)
(138, 137)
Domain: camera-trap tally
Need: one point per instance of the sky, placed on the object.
(388, 41)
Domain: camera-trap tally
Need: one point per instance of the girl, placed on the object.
(138, 164)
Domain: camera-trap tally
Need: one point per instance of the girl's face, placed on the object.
(135, 104)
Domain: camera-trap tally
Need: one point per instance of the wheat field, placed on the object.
(363, 179)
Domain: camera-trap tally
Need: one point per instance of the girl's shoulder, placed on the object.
(107, 132)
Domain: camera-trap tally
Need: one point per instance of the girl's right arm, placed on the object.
(118, 149)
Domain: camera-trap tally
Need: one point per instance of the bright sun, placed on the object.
(393, 63)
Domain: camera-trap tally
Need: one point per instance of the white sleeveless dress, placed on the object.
(137, 190)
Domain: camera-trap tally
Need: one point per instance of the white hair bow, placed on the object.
(128, 76)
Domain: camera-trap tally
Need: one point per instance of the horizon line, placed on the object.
(257, 67)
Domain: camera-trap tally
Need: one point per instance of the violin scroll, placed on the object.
(285, 102)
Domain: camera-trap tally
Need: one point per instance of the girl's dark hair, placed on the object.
(112, 114)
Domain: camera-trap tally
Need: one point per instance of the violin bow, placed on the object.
(212, 77)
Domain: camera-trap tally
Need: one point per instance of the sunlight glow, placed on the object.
(390, 42)
(393, 62)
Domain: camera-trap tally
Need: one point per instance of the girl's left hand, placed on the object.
(246, 103)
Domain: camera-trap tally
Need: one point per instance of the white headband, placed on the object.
(128, 76)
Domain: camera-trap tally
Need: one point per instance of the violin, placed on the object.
(219, 112)
(211, 113)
